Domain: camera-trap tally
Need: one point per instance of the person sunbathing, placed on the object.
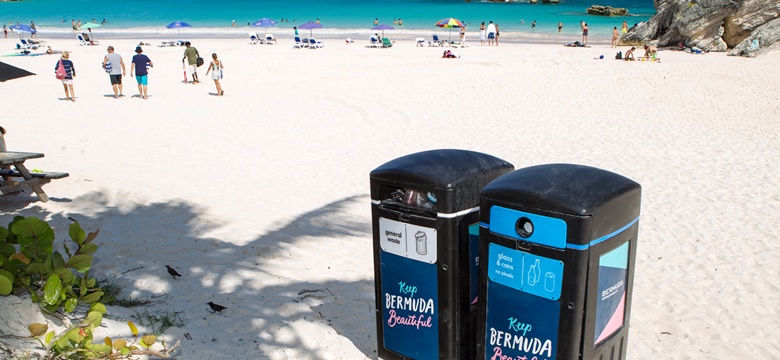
(448, 55)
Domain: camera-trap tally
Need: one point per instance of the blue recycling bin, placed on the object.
(426, 235)
(558, 244)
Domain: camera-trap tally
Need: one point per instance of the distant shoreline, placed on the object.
(472, 37)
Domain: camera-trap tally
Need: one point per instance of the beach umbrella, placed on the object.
(22, 28)
(383, 27)
(89, 26)
(264, 23)
(178, 25)
(449, 23)
(309, 26)
(9, 72)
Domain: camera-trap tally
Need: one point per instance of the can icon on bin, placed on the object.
(422, 243)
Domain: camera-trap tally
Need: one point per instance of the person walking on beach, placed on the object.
(34, 31)
(491, 33)
(584, 33)
(482, 34)
(496, 34)
(70, 71)
(216, 72)
(115, 67)
(615, 36)
(295, 28)
(139, 67)
(191, 55)
(5, 31)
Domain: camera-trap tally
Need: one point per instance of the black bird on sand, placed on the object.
(172, 271)
(216, 307)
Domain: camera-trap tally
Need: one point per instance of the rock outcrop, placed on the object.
(551, 1)
(606, 10)
(712, 25)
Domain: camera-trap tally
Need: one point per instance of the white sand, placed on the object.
(263, 193)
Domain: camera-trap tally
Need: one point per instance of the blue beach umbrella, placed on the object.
(178, 25)
(22, 28)
(310, 26)
(264, 23)
(383, 27)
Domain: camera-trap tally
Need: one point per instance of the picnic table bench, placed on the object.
(32, 180)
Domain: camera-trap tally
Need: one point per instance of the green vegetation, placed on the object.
(61, 283)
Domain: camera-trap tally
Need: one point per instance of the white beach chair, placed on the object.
(82, 42)
(375, 43)
(315, 44)
(270, 39)
(254, 39)
(298, 44)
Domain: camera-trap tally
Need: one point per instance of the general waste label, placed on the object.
(526, 272)
(408, 240)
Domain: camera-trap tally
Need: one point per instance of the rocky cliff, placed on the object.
(745, 27)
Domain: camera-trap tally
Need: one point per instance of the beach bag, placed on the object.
(619, 55)
(199, 61)
(60, 73)
(108, 67)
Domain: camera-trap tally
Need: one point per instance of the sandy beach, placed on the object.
(260, 197)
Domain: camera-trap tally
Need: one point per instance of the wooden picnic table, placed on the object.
(34, 181)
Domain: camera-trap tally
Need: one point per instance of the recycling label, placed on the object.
(526, 272)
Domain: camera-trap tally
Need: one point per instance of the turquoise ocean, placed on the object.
(340, 18)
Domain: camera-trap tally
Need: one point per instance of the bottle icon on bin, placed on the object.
(422, 243)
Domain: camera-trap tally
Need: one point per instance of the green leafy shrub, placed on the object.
(61, 283)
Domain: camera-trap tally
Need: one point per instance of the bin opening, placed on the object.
(413, 201)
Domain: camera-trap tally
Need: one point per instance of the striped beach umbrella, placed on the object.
(449, 23)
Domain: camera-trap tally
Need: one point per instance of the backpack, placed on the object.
(60, 73)
(619, 55)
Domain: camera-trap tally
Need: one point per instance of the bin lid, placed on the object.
(611, 200)
(455, 176)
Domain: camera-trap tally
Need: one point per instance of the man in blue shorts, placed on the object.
(491, 33)
(140, 66)
(115, 67)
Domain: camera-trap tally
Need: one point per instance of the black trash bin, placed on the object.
(558, 244)
(426, 231)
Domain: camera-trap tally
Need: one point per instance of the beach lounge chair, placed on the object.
(89, 42)
(253, 39)
(436, 41)
(27, 45)
(375, 43)
(270, 39)
(82, 42)
(298, 44)
(314, 44)
(386, 43)
(420, 42)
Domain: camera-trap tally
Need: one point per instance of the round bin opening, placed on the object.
(524, 227)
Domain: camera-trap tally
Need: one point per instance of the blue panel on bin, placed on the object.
(547, 231)
(526, 272)
(410, 307)
(519, 325)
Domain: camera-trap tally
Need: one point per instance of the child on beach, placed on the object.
(215, 67)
